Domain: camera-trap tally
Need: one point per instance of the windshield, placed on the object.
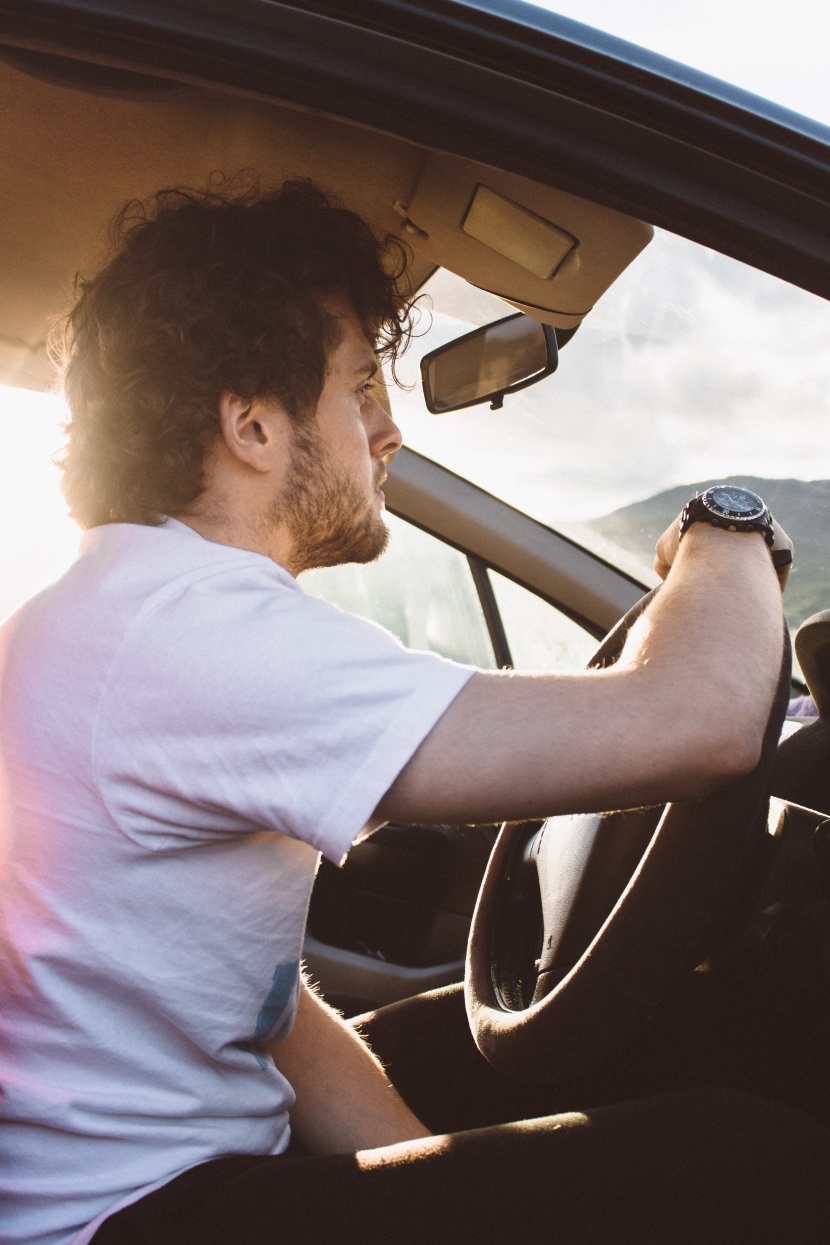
(692, 369)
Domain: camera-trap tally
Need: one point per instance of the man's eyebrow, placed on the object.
(368, 369)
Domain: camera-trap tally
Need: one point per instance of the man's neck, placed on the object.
(223, 530)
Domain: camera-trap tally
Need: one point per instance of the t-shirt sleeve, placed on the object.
(260, 708)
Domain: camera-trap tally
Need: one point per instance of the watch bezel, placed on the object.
(723, 512)
(703, 508)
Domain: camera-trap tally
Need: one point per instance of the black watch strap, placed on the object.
(731, 507)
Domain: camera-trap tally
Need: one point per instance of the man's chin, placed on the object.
(373, 543)
(363, 546)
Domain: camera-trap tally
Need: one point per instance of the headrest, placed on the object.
(812, 648)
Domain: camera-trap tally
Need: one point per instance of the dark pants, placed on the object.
(703, 1167)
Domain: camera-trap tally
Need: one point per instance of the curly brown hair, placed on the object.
(212, 291)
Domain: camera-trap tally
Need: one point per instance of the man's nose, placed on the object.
(385, 435)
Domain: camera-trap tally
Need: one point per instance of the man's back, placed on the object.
(159, 857)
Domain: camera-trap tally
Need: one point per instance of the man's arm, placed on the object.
(682, 711)
(345, 1101)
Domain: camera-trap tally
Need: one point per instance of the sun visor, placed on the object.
(548, 253)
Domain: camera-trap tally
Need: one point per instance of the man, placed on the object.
(184, 730)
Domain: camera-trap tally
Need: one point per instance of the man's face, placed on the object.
(331, 500)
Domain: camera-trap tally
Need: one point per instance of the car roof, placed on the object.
(104, 100)
(631, 62)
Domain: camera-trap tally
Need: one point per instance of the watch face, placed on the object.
(732, 502)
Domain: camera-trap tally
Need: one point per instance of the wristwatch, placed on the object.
(731, 507)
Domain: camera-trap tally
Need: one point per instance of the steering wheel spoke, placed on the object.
(563, 847)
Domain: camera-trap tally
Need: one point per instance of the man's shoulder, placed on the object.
(121, 554)
(168, 589)
(125, 574)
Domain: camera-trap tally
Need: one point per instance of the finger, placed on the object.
(781, 539)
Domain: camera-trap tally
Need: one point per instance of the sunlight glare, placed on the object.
(38, 540)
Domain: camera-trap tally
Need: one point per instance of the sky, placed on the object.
(777, 50)
(691, 368)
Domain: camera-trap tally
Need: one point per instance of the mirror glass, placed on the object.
(487, 363)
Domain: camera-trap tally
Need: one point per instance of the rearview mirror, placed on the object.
(487, 364)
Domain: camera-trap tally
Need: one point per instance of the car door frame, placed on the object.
(495, 81)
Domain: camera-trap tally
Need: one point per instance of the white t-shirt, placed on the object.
(183, 730)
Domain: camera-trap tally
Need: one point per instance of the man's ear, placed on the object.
(255, 432)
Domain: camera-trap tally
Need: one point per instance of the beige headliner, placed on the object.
(70, 159)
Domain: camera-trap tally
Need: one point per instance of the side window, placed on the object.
(421, 590)
(40, 541)
(424, 592)
(539, 636)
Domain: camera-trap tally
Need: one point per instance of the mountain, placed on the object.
(802, 506)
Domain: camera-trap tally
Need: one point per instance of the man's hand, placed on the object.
(667, 546)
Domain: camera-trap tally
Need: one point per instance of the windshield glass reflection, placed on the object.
(692, 369)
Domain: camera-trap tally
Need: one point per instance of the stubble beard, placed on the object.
(327, 516)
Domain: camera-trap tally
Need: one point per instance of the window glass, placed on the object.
(420, 589)
(540, 636)
(39, 539)
(690, 370)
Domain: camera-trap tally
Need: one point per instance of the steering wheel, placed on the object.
(583, 923)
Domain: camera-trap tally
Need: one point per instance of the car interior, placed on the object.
(475, 575)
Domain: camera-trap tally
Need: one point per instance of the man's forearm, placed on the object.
(719, 620)
(682, 711)
(345, 1101)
